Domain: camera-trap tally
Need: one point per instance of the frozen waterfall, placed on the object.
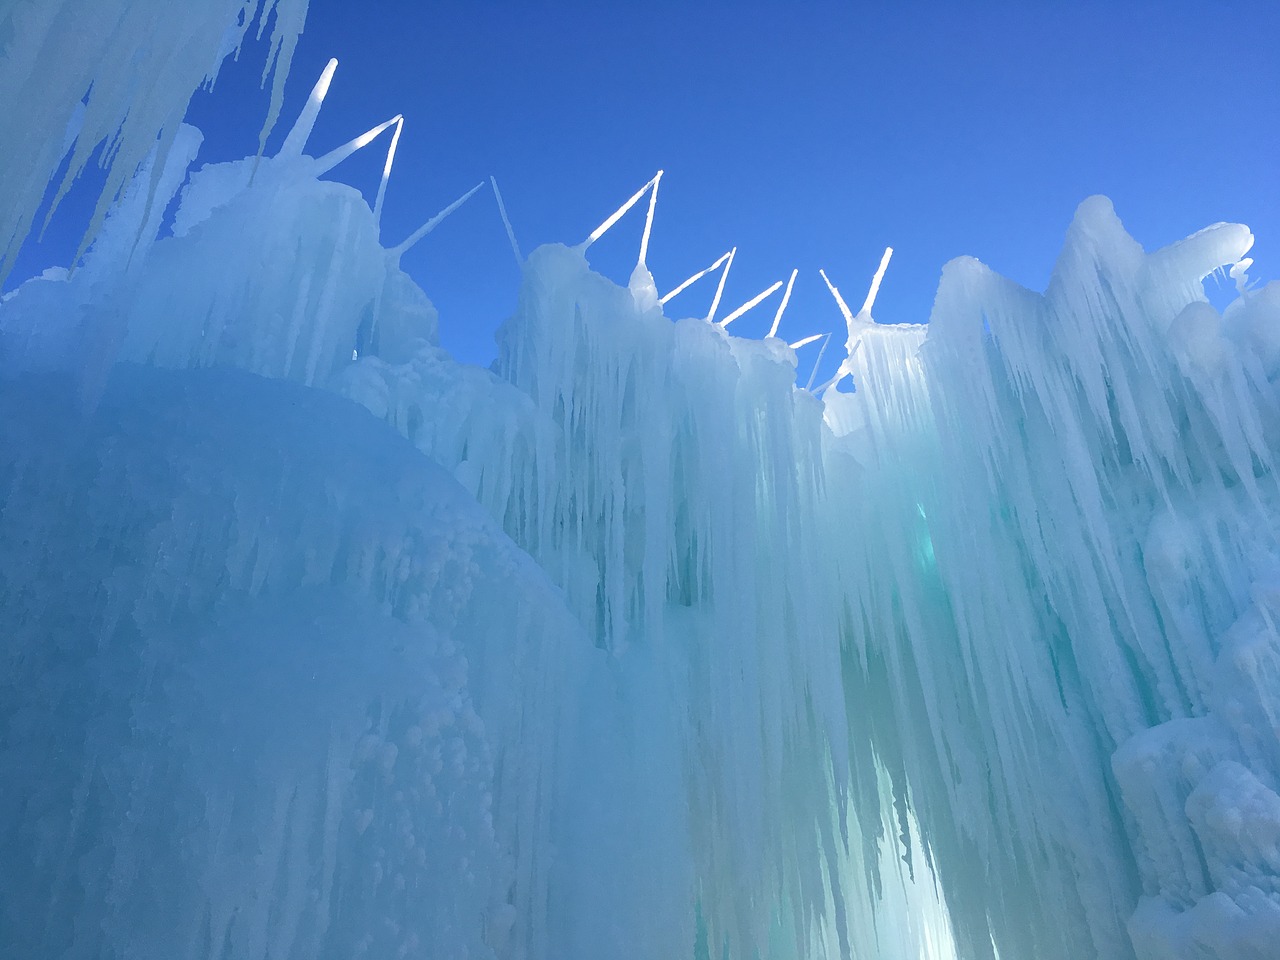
(315, 643)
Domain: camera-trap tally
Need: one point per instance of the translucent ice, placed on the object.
(319, 644)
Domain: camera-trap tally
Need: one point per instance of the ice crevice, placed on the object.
(318, 643)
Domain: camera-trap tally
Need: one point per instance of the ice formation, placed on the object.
(317, 643)
(112, 77)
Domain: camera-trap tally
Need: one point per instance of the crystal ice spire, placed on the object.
(601, 230)
(835, 292)
(335, 156)
(648, 220)
(399, 251)
(506, 222)
(715, 302)
(782, 307)
(296, 141)
(875, 284)
(698, 276)
(826, 341)
(750, 303)
(386, 169)
(807, 340)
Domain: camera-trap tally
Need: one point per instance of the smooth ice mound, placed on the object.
(319, 644)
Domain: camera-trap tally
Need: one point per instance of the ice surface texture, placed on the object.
(628, 647)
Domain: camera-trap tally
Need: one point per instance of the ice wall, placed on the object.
(1032, 528)
(627, 647)
(670, 478)
(1091, 472)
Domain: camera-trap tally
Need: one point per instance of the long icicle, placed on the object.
(506, 222)
(434, 222)
(601, 230)
(715, 303)
(697, 276)
(386, 171)
(648, 220)
(807, 340)
(865, 312)
(817, 363)
(786, 298)
(844, 307)
(296, 141)
(338, 154)
(749, 304)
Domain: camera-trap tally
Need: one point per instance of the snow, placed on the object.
(318, 643)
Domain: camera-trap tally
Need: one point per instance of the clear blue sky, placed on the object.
(810, 135)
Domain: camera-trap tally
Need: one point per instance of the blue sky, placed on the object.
(809, 135)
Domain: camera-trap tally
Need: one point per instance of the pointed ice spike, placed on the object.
(844, 307)
(786, 298)
(818, 362)
(296, 141)
(601, 230)
(511, 234)
(648, 220)
(386, 171)
(338, 154)
(807, 340)
(865, 312)
(749, 304)
(696, 277)
(715, 303)
(434, 222)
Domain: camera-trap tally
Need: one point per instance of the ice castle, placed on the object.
(316, 644)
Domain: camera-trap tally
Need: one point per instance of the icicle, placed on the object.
(76, 89)
(289, 20)
(601, 230)
(648, 220)
(338, 154)
(749, 304)
(786, 298)
(807, 340)
(715, 303)
(697, 276)
(434, 222)
(296, 141)
(875, 284)
(386, 170)
(844, 307)
(511, 234)
(818, 362)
